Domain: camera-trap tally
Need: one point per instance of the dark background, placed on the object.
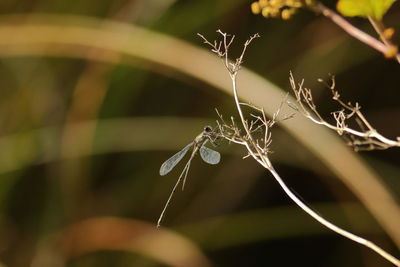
(82, 141)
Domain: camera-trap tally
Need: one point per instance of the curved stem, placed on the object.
(330, 225)
(354, 31)
(265, 162)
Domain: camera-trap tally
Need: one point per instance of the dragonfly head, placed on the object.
(208, 129)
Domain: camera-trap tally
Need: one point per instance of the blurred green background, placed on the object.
(95, 95)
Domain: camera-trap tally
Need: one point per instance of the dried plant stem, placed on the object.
(330, 225)
(370, 134)
(260, 153)
(265, 162)
(354, 31)
(364, 138)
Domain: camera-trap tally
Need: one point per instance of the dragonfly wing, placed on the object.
(210, 156)
(170, 163)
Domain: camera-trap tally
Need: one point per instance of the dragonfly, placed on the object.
(198, 145)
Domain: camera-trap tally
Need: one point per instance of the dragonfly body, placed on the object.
(208, 155)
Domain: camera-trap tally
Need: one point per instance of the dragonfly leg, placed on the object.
(186, 171)
(183, 174)
(213, 140)
(187, 166)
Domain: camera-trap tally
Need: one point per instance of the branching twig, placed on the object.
(364, 138)
(258, 148)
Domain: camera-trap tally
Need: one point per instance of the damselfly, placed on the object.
(208, 155)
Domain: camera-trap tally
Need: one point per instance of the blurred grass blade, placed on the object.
(112, 233)
(57, 35)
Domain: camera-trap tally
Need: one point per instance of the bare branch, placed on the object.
(363, 138)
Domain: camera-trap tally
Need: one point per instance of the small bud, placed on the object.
(388, 33)
(392, 51)
(310, 2)
(275, 12)
(263, 3)
(297, 4)
(266, 12)
(286, 14)
(294, 3)
(276, 3)
(273, 2)
(290, 2)
(255, 8)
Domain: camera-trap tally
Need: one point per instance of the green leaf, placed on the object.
(364, 8)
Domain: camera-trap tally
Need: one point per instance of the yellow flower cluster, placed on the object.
(278, 8)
